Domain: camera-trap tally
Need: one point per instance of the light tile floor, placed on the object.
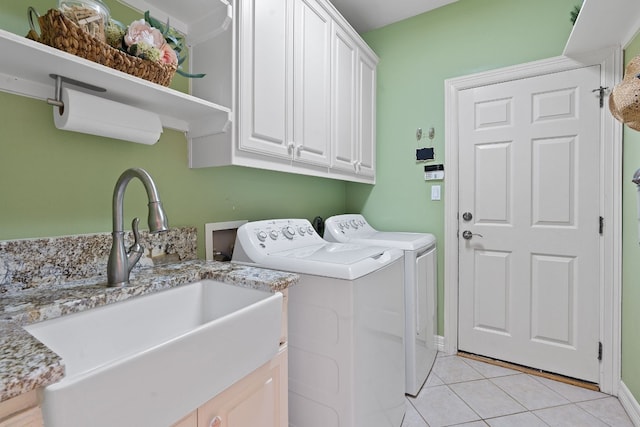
(465, 392)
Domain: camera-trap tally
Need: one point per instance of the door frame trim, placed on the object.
(610, 203)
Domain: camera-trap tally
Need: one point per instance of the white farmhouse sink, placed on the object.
(150, 360)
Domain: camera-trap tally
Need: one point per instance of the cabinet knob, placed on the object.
(216, 422)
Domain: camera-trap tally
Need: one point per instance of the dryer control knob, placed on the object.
(289, 232)
(301, 230)
(310, 230)
(262, 235)
(273, 234)
(354, 223)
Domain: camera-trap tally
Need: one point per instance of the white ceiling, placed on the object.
(367, 15)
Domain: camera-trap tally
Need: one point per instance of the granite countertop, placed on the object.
(27, 364)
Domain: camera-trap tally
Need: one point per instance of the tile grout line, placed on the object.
(537, 379)
(574, 401)
(520, 373)
(416, 411)
(486, 378)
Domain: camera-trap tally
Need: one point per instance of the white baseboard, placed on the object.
(629, 403)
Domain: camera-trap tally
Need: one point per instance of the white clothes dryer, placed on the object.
(345, 323)
(420, 275)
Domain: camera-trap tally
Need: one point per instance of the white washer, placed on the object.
(420, 274)
(346, 324)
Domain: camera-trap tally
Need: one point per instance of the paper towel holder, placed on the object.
(57, 101)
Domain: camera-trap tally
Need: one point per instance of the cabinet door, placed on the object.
(367, 116)
(263, 69)
(311, 125)
(259, 399)
(29, 418)
(344, 136)
(21, 411)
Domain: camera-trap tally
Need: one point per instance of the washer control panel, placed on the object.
(349, 225)
(278, 234)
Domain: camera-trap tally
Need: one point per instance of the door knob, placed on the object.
(467, 235)
(467, 216)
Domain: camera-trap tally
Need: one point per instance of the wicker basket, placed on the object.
(59, 32)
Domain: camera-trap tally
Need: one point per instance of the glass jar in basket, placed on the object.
(90, 15)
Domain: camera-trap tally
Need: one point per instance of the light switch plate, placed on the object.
(435, 192)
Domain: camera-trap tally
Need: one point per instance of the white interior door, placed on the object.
(529, 185)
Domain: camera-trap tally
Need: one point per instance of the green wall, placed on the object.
(416, 56)
(54, 182)
(631, 253)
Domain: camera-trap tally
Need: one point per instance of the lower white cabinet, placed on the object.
(21, 411)
(259, 399)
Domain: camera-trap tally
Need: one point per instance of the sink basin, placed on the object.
(150, 360)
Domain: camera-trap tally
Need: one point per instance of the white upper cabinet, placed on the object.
(602, 25)
(299, 94)
(285, 80)
(311, 122)
(345, 98)
(264, 78)
(366, 161)
(354, 107)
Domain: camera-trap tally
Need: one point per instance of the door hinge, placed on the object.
(601, 226)
(601, 92)
(599, 351)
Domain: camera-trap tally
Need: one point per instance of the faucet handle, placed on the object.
(136, 247)
(135, 251)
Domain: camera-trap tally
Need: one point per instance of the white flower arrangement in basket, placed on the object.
(150, 39)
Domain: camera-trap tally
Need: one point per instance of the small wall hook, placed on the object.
(432, 133)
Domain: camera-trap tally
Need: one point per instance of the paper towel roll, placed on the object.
(98, 116)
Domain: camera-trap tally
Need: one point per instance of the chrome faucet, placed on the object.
(121, 260)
